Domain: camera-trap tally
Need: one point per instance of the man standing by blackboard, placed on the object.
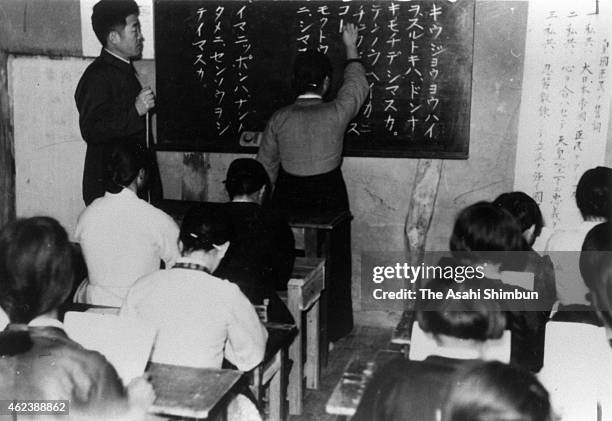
(112, 103)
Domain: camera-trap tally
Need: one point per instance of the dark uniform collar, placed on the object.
(107, 57)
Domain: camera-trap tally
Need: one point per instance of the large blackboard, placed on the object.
(223, 67)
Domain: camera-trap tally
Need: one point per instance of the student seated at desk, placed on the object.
(527, 214)
(261, 252)
(593, 194)
(123, 237)
(200, 318)
(406, 390)
(596, 270)
(37, 359)
(487, 237)
(494, 391)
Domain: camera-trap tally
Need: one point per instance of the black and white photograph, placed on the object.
(305, 210)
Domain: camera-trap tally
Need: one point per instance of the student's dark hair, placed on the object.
(494, 391)
(205, 226)
(524, 209)
(593, 193)
(36, 272)
(309, 71)
(485, 232)
(596, 268)
(479, 320)
(110, 15)
(123, 162)
(245, 176)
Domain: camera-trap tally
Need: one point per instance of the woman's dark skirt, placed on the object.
(320, 194)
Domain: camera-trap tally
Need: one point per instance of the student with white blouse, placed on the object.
(122, 236)
(200, 318)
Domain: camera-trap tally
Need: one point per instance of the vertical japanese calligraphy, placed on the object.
(417, 55)
(564, 109)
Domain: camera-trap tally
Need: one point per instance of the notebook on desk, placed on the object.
(125, 342)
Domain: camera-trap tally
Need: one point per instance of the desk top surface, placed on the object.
(347, 394)
(188, 391)
(403, 331)
(279, 336)
(305, 266)
(324, 220)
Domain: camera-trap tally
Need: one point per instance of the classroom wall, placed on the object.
(379, 189)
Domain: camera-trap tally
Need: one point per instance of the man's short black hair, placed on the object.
(245, 176)
(109, 15)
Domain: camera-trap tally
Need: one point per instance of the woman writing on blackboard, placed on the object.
(301, 150)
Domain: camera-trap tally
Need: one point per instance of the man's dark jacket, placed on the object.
(105, 99)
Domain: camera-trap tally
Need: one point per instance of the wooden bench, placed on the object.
(303, 300)
(349, 390)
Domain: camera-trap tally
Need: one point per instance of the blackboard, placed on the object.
(223, 68)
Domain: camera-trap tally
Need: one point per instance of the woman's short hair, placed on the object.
(309, 71)
(478, 320)
(205, 226)
(596, 268)
(484, 232)
(494, 391)
(593, 193)
(123, 163)
(524, 209)
(36, 273)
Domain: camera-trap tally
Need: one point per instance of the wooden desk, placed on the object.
(304, 291)
(271, 374)
(317, 232)
(348, 392)
(190, 392)
(403, 332)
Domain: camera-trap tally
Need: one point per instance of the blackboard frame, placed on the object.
(457, 149)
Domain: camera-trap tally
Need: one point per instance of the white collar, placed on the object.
(184, 259)
(117, 56)
(310, 96)
(457, 352)
(242, 201)
(125, 192)
(45, 321)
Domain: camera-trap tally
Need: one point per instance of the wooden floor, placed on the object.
(363, 343)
